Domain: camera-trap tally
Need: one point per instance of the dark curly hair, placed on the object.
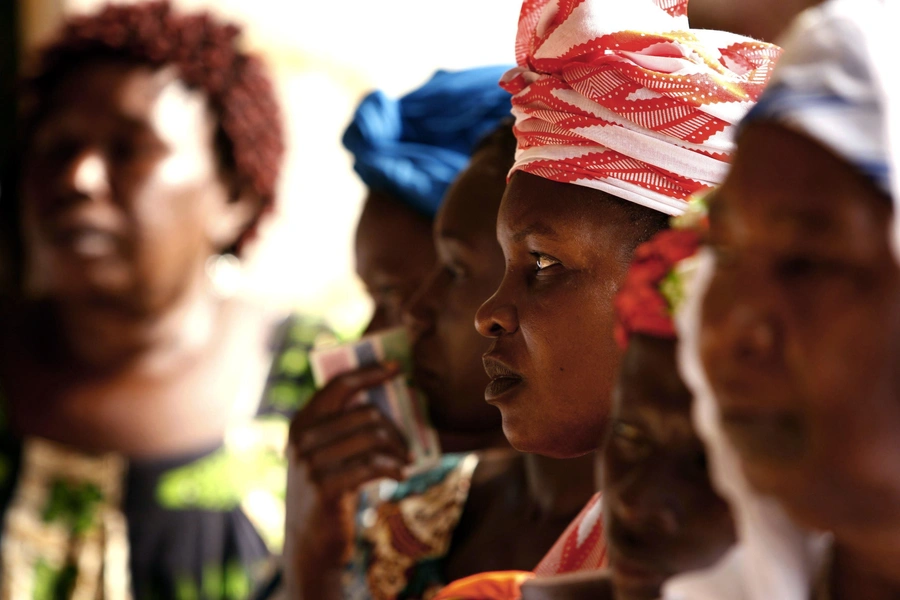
(250, 137)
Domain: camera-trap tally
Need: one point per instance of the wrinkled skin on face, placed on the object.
(553, 359)
(394, 255)
(801, 333)
(446, 348)
(661, 515)
(123, 197)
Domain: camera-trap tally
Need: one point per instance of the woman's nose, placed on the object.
(88, 175)
(497, 316)
(419, 310)
(751, 334)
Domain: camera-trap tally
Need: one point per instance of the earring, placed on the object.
(225, 274)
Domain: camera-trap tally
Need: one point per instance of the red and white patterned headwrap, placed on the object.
(622, 96)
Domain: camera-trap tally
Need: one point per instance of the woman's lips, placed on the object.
(88, 243)
(503, 379)
(86, 237)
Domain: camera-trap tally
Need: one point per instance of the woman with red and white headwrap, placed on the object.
(661, 513)
(622, 113)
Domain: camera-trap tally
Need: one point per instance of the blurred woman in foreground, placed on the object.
(140, 440)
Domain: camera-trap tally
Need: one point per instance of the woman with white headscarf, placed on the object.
(791, 342)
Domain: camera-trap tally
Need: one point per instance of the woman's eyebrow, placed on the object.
(535, 229)
(449, 235)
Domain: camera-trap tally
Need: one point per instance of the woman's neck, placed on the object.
(101, 338)
(560, 487)
(472, 442)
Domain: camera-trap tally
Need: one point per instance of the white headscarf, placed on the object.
(837, 83)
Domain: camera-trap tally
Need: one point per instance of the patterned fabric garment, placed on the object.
(625, 98)
(499, 585)
(404, 532)
(202, 527)
(582, 547)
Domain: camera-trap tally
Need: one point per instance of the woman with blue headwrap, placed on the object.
(408, 151)
(407, 540)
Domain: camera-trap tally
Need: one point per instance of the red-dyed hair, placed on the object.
(205, 51)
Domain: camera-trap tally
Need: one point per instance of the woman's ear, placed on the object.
(234, 217)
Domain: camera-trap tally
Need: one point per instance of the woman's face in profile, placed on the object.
(801, 329)
(661, 514)
(394, 255)
(122, 195)
(553, 359)
(446, 348)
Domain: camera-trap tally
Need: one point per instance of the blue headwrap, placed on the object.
(413, 148)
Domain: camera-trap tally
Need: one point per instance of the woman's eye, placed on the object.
(542, 261)
(135, 147)
(630, 441)
(802, 268)
(626, 431)
(725, 258)
(56, 149)
(456, 271)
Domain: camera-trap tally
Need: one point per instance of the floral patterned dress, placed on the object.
(199, 527)
(404, 531)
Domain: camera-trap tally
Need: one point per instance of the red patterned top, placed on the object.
(582, 547)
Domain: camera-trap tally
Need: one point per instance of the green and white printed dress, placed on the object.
(200, 527)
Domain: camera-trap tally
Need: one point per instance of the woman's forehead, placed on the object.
(470, 207)
(787, 186)
(129, 90)
(533, 205)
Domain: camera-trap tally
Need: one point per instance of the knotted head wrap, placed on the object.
(625, 98)
(414, 147)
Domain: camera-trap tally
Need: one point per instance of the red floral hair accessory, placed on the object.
(654, 285)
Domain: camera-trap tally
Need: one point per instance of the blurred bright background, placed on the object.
(325, 57)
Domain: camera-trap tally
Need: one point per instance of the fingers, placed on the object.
(344, 447)
(341, 390)
(343, 451)
(353, 475)
(337, 427)
(355, 448)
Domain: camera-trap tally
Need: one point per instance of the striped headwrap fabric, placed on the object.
(625, 98)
